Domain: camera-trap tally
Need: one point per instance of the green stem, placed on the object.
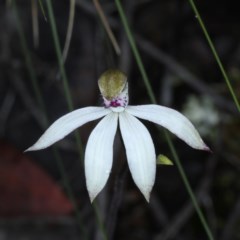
(99, 221)
(40, 101)
(42, 9)
(59, 56)
(135, 51)
(215, 54)
(188, 187)
(69, 30)
(62, 70)
(153, 99)
(68, 96)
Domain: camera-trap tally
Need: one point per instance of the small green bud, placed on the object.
(111, 83)
(163, 160)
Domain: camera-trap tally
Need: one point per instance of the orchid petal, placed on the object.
(99, 154)
(66, 124)
(171, 119)
(140, 152)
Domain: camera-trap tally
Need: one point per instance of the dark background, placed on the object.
(183, 74)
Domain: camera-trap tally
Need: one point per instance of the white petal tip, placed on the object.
(202, 146)
(92, 193)
(28, 149)
(206, 148)
(146, 193)
(92, 197)
(34, 147)
(147, 196)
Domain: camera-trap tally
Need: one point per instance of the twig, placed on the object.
(89, 8)
(35, 23)
(107, 27)
(125, 61)
(69, 30)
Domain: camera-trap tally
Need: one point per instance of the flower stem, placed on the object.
(215, 54)
(69, 98)
(153, 99)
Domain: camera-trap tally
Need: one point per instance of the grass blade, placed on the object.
(215, 54)
(153, 99)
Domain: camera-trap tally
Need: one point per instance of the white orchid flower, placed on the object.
(139, 146)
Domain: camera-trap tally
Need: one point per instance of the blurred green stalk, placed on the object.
(40, 101)
(69, 98)
(153, 99)
(215, 54)
(62, 70)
